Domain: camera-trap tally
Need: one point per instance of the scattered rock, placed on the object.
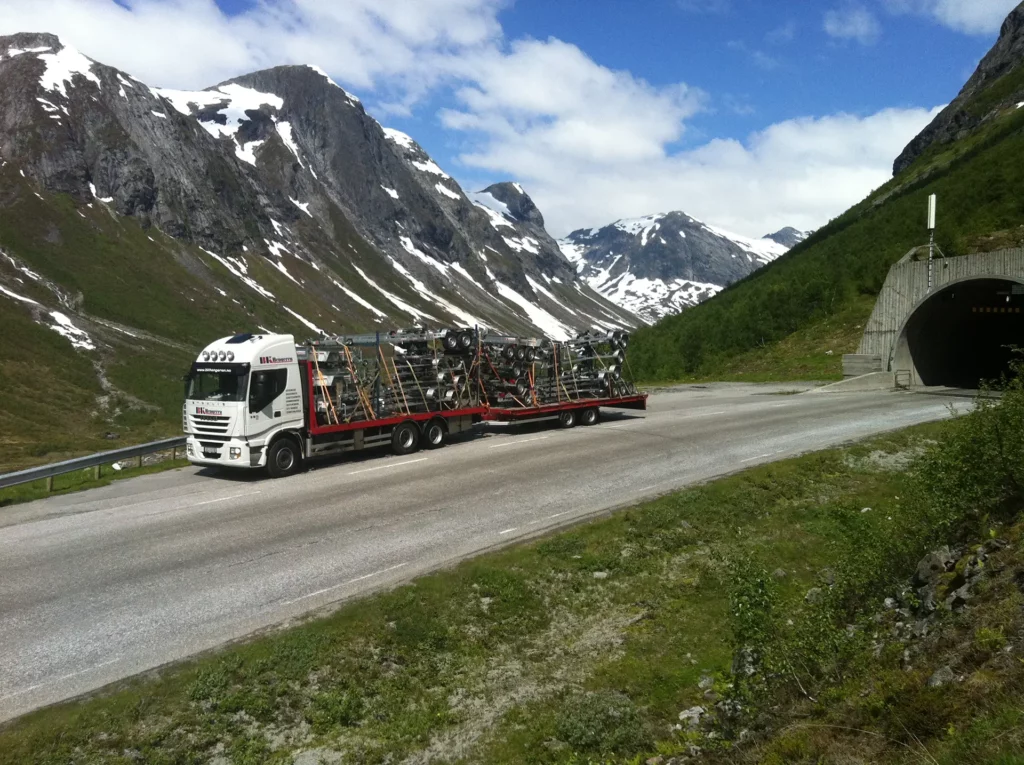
(865, 509)
(600, 575)
(706, 682)
(111, 436)
(692, 717)
(933, 566)
(659, 760)
(828, 576)
(779, 573)
(813, 595)
(685, 525)
(890, 604)
(942, 676)
(995, 545)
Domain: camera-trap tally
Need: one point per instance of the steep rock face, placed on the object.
(996, 85)
(661, 264)
(283, 169)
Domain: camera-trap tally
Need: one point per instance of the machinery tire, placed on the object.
(405, 439)
(531, 355)
(509, 352)
(451, 340)
(520, 353)
(590, 416)
(435, 435)
(283, 458)
(567, 419)
(465, 340)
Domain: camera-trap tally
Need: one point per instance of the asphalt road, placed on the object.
(98, 586)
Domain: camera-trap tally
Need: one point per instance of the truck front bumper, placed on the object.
(233, 453)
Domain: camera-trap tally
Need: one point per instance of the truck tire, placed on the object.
(283, 458)
(435, 435)
(405, 439)
(567, 419)
(590, 416)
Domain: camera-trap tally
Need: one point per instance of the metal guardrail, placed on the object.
(95, 461)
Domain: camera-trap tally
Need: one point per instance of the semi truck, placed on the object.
(264, 402)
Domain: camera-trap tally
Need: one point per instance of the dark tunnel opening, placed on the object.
(960, 336)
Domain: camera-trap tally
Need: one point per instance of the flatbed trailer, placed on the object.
(568, 413)
(431, 428)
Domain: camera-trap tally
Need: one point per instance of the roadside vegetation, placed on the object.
(80, 480)
(834, 275)
(745, 620)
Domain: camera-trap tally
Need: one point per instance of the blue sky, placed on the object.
(748, 114)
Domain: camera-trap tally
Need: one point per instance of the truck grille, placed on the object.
(207, 425)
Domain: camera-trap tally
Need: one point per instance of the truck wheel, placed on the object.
(283, 458)
(590, 416)
(436, 434)
(567, 419)
(405, 439)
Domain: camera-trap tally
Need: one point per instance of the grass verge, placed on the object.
(81, 480)
(586, 644)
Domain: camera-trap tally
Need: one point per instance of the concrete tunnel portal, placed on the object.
(964, 334)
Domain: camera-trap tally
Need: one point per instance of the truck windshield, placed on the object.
(223, 382)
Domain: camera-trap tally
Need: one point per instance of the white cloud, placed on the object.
(402, 44)
(853, 22)
(800, 172)
(975, 17)
(594, 144)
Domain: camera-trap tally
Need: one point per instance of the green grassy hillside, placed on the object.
(147, 301)
(830, 279)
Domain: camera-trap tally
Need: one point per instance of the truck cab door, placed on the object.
(266, 400)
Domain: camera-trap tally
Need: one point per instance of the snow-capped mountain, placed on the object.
(661, 264)
(282, 189)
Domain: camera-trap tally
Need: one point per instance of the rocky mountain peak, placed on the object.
(22, 42)
(978, 102)
(661, 264)
(518, 202)
(788, 237)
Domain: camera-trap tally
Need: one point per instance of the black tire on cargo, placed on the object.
(405, 439)
(435, 435)
(590, 416)
(283, 458)
(451, 340)
(509, 352)
(465, 340)
(567, 419)
(531, 355)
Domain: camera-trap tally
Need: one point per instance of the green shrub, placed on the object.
(602, 723)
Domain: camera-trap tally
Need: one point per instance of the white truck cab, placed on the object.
(243, 393)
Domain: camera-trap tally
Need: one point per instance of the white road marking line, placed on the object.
(344, 584)
(518, 441)
(507, 531)
(557, 515)
(58, 680)
(779, 406)
(386, 467)
(760, 457)
(225, 499)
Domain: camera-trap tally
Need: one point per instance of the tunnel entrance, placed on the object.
(959, 336)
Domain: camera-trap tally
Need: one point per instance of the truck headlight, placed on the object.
(236, 453)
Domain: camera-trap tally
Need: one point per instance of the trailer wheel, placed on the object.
(405, 439)
(567, 419)
(436, 434)
(590, 416)
(531, 355)
(465, 340)
(283, 458)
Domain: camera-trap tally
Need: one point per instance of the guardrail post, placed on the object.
(96, 473)
(140, 461)
(174, 454)
(49, 484)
